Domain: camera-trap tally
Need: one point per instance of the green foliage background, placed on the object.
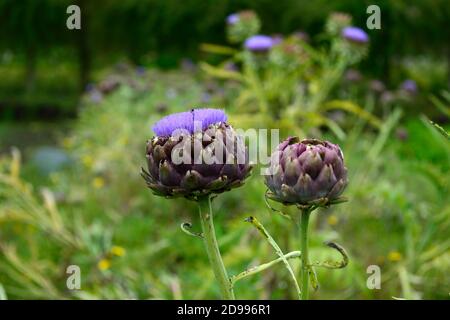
(95, 211)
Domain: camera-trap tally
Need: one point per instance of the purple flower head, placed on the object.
(231, 66)
(188, 65)
(233, 18)
(301, 35)
(355, 34)
(259, 43)
(95, 96)
(140, 70)
(302, 172)
(387, 97)
(189, 121)
(90, 87)
(409, 86)
(353, 75)
(377, 86)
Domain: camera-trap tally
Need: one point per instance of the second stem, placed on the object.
(304, 249)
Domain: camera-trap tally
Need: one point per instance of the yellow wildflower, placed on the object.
(98, 183)
(123, 140)
(67, 142)
(332, 220)
(87, 161)
(104, 264)
(118, 251)
(394, 256)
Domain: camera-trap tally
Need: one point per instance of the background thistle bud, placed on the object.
(210, 159)
(306, 172)
(242, 25)
(336, 22)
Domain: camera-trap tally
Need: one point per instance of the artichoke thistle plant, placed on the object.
(285, 76)
(195, 155)
(309, 174)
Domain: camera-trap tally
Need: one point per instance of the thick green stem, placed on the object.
(304, 249)
(212, 248)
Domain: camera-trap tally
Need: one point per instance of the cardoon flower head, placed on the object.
(231, 66)
(140, 70)
(353, 75)
(242, 25)
(185, 120)
(336, 22)
(233, 18)
(409, 86)
(195, 153)
(355, 34)
(259, 43)
(288, 54)
(306, 172)
(301, 35)
(387, 97)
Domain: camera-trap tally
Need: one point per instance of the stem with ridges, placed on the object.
(212, 248)
(304, 220)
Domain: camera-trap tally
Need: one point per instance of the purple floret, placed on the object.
(259, 43)
(233, 18)
(355, 34)
(409, 86)
(189, 121)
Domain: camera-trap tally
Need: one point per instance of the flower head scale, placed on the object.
(355, 34)
(210, 159)
(259, 43)
(188, 121)
(305, 172)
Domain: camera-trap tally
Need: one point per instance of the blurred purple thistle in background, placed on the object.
(231, 66)
(301, 35)
(409, 86)
(259, 43)
(140, 71)
(233, 18)
(355, 34)
(377, 86)
(353, 75)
